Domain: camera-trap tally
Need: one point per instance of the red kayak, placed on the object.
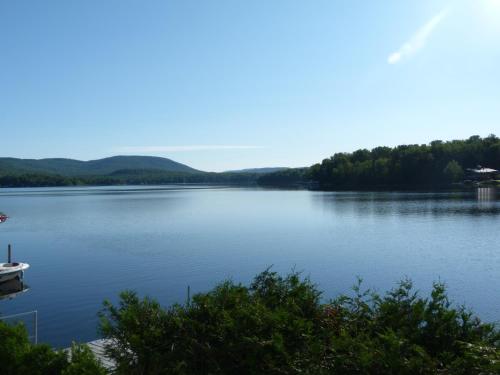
(3, 218)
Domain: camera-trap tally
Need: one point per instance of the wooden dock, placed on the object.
(97, 347)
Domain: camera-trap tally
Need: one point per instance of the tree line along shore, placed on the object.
(437, 164)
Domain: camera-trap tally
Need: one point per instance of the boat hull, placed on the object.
(10, 276)
(10, 271)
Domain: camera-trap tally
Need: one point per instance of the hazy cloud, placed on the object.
(418, 40)
(160, 149)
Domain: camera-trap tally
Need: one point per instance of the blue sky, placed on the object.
(235, 84)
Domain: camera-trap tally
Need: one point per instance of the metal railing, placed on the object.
(34, 320)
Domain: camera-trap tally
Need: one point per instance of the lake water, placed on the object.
(88, 244)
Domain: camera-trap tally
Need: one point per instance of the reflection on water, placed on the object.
(482, 202)
(487, 200)
(12, 288)
(85, 245)
(99, 190)
(486, 194)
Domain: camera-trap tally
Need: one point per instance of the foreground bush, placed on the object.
(19, 357)
(278, 325)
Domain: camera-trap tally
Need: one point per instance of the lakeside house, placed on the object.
(481, 173)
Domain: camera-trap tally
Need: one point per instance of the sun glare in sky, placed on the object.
(222, 86)
(491, 16)
(494, 3)
(492, 6)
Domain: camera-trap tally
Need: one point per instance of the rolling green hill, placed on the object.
(106, 166)
(117, 170)
(439, 163)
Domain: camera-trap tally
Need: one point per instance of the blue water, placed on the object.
(88, 244)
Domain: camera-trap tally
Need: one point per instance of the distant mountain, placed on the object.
(259, 170)
(106, 166)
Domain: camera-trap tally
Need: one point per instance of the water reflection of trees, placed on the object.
(483, 201)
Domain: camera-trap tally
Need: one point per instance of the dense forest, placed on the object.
(436, 164)
(126, 177)
(116, 170)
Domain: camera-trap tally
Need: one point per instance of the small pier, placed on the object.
(97, 348)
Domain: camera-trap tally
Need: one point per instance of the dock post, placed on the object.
(9, 254)
(35, 321)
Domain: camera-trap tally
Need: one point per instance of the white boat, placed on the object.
(9, 271)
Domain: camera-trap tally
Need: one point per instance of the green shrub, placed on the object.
(278, 325)
(19, 357)
(402, 333)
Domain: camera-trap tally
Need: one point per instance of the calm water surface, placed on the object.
(88, 244)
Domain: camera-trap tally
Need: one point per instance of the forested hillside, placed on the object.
(437, 163)
(71, 167)
(127, 177)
